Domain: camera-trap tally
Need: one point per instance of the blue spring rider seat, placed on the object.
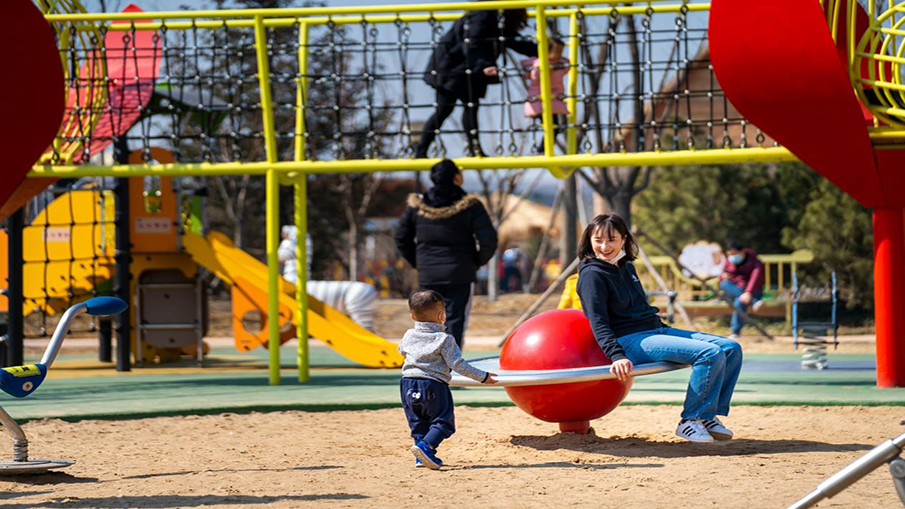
(20, 381)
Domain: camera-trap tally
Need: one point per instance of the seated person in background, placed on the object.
(743, 281)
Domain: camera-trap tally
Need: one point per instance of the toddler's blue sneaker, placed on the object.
(418, 463)
(425, 454)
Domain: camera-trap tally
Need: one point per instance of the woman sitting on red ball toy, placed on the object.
(629, 331)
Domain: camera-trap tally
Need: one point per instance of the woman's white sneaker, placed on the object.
(693, 431)
(717, 429)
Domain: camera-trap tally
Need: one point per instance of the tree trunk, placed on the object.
(493, 279)
(569, 239)
(353, 251)
(237, 231)
(620, 204)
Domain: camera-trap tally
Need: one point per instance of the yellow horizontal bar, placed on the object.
(888, 110)
(882, 84)
(282, 22)
(374, 19)
(715, 156)
(886, 134)
(892, 31)
(885, 58)
(333, 11)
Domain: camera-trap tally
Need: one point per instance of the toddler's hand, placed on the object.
(491, 71)
(491, 379)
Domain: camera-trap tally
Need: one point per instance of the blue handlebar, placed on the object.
(105, 306)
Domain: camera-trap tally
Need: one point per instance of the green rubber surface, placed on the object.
(234, 382)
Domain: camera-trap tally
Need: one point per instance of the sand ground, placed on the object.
(499, 458)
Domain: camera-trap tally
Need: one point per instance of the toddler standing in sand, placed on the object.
(430, 353)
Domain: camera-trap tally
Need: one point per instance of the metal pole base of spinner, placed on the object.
(21, 464)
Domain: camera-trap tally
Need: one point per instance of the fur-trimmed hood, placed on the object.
(416, 202)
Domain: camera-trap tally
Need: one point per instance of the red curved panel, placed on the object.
(133, 76)
(33, 95)
(778, 65)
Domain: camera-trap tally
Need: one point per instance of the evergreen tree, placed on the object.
(839, 231)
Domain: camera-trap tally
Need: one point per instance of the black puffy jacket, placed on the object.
(453, 56)
(441, 241)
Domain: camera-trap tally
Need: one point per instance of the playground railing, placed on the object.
(778, 269)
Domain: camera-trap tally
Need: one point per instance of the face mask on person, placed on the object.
(737, 258)
(615, 260)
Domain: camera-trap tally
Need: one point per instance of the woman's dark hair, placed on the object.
(515, 20)
(555, 40)
(736, 246)
(607, 224)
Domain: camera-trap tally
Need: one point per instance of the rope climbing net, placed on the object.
(340, 89)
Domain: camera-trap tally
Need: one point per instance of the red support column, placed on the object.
(889, 295)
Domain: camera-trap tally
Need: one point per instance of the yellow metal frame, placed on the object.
(775, 281)
(295, 172)
(880, 50)
(301, 210)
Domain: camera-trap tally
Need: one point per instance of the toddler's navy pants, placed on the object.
(428, 406)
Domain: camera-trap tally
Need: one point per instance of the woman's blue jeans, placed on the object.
(715, 365)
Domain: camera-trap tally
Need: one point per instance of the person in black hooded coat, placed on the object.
(447, 235)
(464, 63)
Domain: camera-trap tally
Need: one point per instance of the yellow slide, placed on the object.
(218, 254)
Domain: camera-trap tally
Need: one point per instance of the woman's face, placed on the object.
(606, 246)
(459, 179)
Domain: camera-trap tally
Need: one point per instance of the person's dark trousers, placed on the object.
(734, 292)
(560, 122)
(512, 280)
(429, 409)
(458, 305)
(446, 103)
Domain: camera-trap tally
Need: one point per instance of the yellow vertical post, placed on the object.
(301, 209)
(780, 276)
(273, 204)
(543, 56)
(572, 100)
(300, 91)
(301, 257)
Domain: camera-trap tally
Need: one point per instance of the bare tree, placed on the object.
(496, 188)
(618, 185)
(358, 193)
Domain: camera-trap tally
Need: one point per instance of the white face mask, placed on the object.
(620, 255)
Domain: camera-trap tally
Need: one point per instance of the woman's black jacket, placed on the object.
(445, 252)
(614, 302)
